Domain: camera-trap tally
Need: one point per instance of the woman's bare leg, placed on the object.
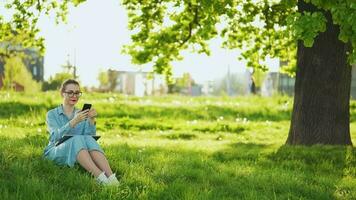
(101, 161)
(86, 161)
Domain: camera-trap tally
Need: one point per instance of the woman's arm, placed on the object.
(56, 130)
(90, 127)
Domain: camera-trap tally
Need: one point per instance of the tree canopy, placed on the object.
(20, 30)
(261, 28)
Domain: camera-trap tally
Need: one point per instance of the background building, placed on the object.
(137, 83)
(276, 82)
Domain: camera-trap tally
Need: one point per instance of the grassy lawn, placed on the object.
(175, 148)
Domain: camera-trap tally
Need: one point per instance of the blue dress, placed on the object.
(66, 153)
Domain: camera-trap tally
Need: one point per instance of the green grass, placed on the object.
(175, 148)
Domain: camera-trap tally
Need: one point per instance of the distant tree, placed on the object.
(70, 69)
(236, 83)
(258, 77)
(113, 79)
(181, 84)
(54, 83)
(103, 78)
(16, 72)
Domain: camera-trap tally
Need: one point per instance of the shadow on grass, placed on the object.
(241, 171)
(298, 172)
(17, 109)
(319, 171)
(25, 174)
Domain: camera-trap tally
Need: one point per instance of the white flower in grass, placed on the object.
(245, 121)
(220, 118)
(39, 130)
(285, 105)
(192, 122)
(176, 102)
(219, 103)
(141, 150)
(111, 99)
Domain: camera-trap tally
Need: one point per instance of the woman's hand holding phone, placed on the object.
(92, 113)
(79, 117)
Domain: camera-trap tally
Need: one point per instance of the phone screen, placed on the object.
(86, 106)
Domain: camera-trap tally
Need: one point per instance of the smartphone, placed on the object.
(86, 106)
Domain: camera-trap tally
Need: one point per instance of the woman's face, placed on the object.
(71, 94)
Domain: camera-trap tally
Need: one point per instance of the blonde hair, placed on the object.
(67, 82)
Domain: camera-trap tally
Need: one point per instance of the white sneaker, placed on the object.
(102, 179)
(112, 180)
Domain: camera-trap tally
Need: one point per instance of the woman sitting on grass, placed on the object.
(81, 148)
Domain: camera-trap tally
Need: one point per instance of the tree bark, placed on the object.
(321, 113)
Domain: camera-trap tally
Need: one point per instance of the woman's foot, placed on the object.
(112, 180)
(102, 179)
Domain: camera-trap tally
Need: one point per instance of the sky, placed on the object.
(93, 39)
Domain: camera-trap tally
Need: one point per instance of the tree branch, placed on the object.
(194, 21)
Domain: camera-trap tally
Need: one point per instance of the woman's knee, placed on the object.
(95, 152)
(82, 151)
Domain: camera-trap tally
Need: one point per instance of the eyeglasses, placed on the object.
(72, 93)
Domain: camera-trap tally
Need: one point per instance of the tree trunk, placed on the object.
(321, 113)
